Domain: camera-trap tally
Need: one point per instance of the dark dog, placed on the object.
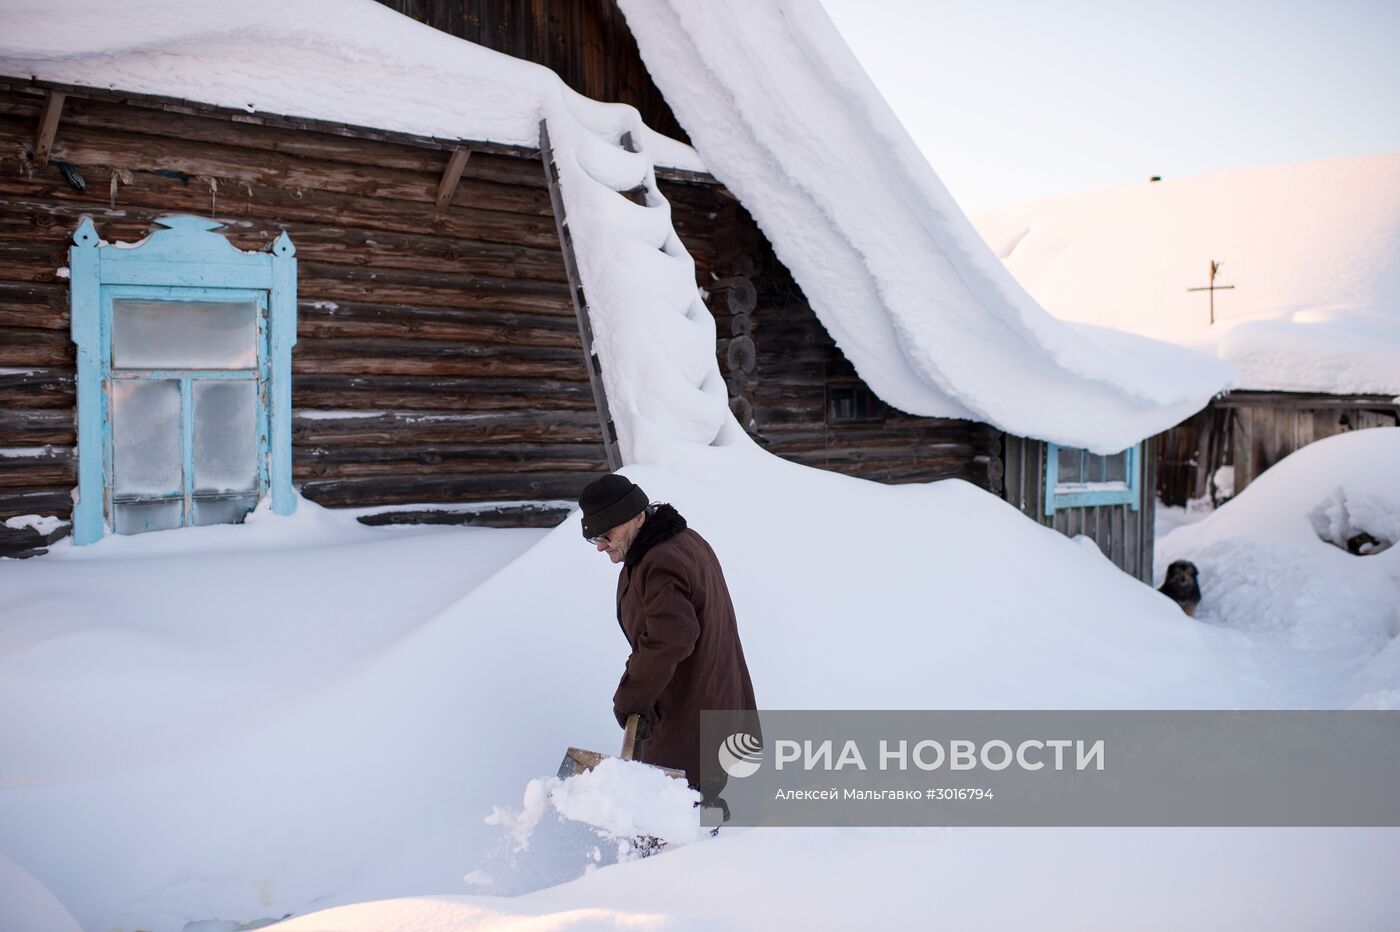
(1181, 585)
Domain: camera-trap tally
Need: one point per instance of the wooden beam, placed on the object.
(48, 127)
(453, 174)
(585, 326)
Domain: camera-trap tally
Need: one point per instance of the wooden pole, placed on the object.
(48, 128)
(453, 174)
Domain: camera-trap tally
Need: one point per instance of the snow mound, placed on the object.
(1158, 880)
(624, 800)
(1312, 251)
(339, 731)
(1362, 524)
(1274, 563)
(783, 114)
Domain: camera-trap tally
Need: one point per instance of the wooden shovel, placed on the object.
(577, 760)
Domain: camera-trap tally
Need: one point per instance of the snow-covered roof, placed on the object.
(780, 111)
(1312, 250)
(348, 61)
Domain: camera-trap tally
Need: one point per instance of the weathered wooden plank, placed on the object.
(36, 388)
(38, 222)
(22, 347)
(508, 516)
(55, 467)
(509, 486)
(516, 168)
(370, 361)
(560, 357)
(305, 125)
(393, 428)
(48, 128)
(86, 148)
(32, 316)
(36, 501)
(1237, 399)
(24, 427)
(324, 281)
(1147, 516)
(54, 297)
(351, 319)
(332, 391)
(578, 304)
(159, 192)
(451, 175)
(408, 461)
(29, 260)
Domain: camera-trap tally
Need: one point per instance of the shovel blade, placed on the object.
(578, 760)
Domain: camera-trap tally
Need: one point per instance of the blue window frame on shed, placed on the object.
(184, 378)
(1076, 478)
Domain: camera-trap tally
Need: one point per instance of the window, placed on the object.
(853, 403)
(184, 391)
(1076, 478)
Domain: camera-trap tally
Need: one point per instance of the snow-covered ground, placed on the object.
(242, 723)
(1274, 569)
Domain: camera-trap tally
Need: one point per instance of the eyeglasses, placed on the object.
(600, 537)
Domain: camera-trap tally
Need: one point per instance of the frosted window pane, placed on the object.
(146, 458)
(225, 436)
(1116, 467)
(223, 510)
(147, 516)
(184, 334)
(1071, 466)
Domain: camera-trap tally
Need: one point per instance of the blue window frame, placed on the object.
(184, 378)
(1076, 478)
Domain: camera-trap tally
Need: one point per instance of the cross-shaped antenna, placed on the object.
(1213, 288)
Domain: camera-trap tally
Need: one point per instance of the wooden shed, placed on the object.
(1242, 433)
(441, 368)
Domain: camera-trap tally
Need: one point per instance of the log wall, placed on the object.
(438, 357)
(780, 363)
(585, 42)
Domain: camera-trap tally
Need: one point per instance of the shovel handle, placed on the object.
(629, 737)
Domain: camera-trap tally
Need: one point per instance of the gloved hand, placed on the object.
(643, 728)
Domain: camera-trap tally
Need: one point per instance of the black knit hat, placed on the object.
(608, 502)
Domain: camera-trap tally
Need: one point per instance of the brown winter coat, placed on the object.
(675, 611)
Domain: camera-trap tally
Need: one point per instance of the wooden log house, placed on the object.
(438, 358)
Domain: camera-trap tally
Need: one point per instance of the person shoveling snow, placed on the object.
(674, 608)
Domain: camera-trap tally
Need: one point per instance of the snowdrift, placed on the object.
(1274, 564)
(239, 762)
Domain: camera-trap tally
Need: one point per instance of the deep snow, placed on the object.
(1272, 570)
(188, 751)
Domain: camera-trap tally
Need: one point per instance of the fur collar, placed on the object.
(664, 524)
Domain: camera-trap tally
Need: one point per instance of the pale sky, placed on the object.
(1014, 100)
